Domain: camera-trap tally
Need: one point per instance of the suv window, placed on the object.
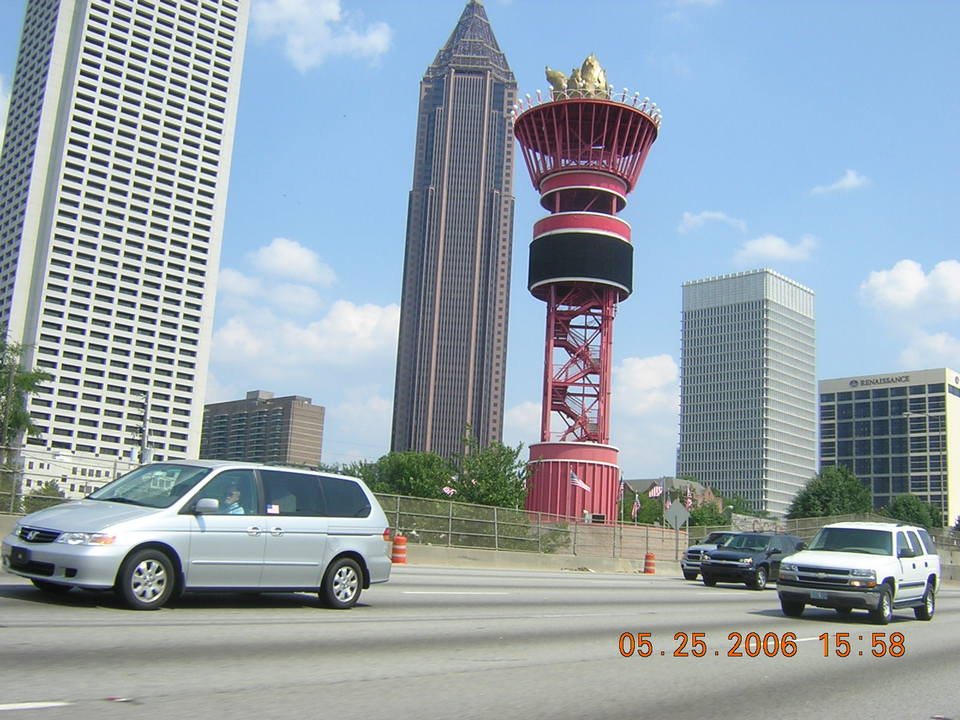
(344, 498)
(915, 543)
(903, 547)
(753, 543)
(928, 543)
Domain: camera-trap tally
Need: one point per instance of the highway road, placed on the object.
(456, 643)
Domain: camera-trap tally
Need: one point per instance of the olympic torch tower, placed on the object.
(584, 148)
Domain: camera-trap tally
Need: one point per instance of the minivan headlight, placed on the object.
(85, 538)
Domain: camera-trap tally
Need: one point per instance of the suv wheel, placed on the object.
(689, 574)
(791, 609)
(925, 611)
(759, 579)
(884, 612)
(708, 581)
(341, 584)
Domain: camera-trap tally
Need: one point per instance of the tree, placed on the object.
(913, 510)
(16, 384)
(494, 475)
(45, 496)
(707, 514)
(835, 491)
(409, 473)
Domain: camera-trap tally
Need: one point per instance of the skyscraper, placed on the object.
(264, 428)
(748, 387)
(453, 315)
(896, 433)
(113, 184)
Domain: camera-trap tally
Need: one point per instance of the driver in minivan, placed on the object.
(231, 502)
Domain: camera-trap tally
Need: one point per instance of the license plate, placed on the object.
(818, 595)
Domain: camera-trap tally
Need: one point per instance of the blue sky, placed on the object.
(816, 138)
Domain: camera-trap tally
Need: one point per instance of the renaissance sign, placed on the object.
(889, 380)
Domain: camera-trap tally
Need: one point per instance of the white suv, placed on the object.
(878, 567)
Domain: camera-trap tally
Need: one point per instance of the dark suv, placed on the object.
(750, 558)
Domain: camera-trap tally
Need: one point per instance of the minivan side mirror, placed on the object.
(206, 506)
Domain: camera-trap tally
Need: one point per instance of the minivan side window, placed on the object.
(291, 493)
(236, 491)
(344, 498)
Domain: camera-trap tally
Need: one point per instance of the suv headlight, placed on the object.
(788, 567)
(863, 578)
(745, 560)
(85, 538)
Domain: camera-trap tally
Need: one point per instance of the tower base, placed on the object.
(557, 466)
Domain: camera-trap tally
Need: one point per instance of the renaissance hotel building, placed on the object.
(898, 433)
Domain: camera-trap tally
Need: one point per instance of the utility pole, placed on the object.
(145, 429)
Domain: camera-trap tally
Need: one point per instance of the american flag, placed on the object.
(667, 504)
(449, 491)
(656, 490)
(688, 503)
(273, 509)
(620, 493)
(636, 506)
(577, 482)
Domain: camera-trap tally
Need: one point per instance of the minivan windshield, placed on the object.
(861, 540)
(158, 485)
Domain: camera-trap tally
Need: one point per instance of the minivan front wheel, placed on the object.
(146, 580)
(341, 584)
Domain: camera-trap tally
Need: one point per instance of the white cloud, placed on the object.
(296, 299)
(645, 385)
(521, 424)
(771, 247)
(289, 259)
(358, 428)
(235, 283)
(691, 221)
(850, 181)
(4, 106)
(906, 287)
(347, 335)
(931, 350)
(314, 30)
(646, 406)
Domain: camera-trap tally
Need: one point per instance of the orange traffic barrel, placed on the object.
(399, 554)
(649, 564)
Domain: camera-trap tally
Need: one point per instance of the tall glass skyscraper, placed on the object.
(897, 433)
(748, 387)
(113, 186)
(453, 313)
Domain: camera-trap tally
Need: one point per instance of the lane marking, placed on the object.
(33, 705)
(450, 592)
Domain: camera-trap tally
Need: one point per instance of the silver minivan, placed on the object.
(202, 525)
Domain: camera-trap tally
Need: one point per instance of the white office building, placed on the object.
(113, 186)
(898, 433)
(748, 387)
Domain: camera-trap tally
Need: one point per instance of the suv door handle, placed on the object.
(253, 531)
(276, 531)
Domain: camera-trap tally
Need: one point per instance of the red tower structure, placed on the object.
(584, 148)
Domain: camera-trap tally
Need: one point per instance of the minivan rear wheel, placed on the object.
(146, 580)
(342, 584)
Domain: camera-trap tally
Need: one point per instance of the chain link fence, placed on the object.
(446, 523)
